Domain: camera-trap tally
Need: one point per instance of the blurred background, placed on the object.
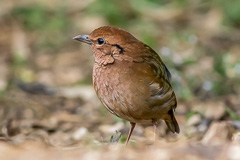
(46, 92)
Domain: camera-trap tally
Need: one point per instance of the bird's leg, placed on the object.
(130, 132)
(155, 130)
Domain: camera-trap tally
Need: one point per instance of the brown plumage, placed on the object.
(130, 78)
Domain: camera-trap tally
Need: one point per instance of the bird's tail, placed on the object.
(172, 124)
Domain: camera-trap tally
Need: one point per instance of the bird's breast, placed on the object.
(124, 89)
(109, 88)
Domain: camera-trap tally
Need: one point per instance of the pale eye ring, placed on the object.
(100, 41)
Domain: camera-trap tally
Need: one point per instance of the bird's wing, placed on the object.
(157, 65)
(169, 76)
(162, 95)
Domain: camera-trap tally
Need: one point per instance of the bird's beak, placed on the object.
(83, 38)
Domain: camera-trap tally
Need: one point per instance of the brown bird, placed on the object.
(130, 79)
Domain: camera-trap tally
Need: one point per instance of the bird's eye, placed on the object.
(100, 41)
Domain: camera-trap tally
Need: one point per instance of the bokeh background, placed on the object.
(47, 102)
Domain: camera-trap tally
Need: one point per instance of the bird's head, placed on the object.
(109, 43)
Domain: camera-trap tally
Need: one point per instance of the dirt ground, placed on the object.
(61, 126)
